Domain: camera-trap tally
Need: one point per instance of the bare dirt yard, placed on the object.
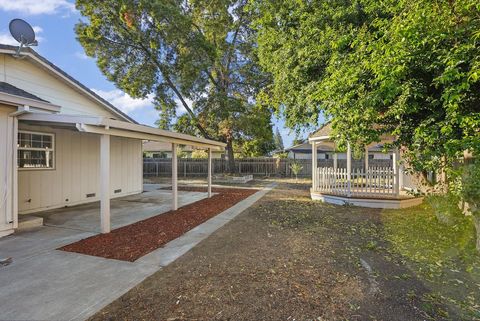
(289, 258)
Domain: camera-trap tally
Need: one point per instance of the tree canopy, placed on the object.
(410, 68)
(197, 51)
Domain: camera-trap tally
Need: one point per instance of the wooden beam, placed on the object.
(174, 178)
(187, 139)
(209, 178)
(105, 183)
(139, 135)
(100, 125)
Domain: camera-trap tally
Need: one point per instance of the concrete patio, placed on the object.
(43, 283)
(124, 210)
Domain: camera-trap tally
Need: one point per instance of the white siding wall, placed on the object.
(76, 172)
(23, 74)
(6, 170)
(299, 155)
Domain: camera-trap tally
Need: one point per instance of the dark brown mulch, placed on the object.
(133, 241)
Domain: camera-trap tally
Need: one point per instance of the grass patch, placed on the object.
(438, 243)
(433, 236)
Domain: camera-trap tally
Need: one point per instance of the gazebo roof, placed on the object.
(323, 131)
(324, 134)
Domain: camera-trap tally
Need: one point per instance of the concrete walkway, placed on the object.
(45, 284)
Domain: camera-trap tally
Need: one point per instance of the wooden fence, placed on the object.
(376, 181)
(188, 167)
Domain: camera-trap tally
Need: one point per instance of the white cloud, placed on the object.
(124, 101)
(37, 29)
(36, 7)
(127, 104)
(81, 55)
(7, 39)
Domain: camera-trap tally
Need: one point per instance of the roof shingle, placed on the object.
(325, 130)
(12, 90)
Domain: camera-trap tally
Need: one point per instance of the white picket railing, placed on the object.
(376, 181)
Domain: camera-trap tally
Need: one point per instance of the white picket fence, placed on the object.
(376, 181)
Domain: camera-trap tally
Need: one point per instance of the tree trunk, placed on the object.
(231, 158)
(476, 221)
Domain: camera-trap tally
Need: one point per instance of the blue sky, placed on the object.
(54, 21)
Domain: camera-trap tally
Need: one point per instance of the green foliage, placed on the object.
(298, 140)
(441, 252)
(296, 169)
(445, 208)
(417, 233)
(412, 67)
(281, 155)
(199, 153)
(200, 54)
(182, 154)
(471, 187)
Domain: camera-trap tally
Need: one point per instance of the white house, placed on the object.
(63, 145)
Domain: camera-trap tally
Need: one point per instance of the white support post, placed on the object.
(209, 172)
(396, 172)
(15, 172)
(401, 172)
(105, 183)
(314, 166)
(349, 170)
(174, 178)
(335, 161)
(366, 159)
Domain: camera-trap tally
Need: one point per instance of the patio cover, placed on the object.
(103, 125)
(106, 127)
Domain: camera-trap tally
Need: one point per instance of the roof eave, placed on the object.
(102, 125)
(318, 138)
(14, 100)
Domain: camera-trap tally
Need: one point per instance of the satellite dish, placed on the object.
(23, 33)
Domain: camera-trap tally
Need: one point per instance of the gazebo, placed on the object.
(368, 186)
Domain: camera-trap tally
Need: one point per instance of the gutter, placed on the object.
(25, 109)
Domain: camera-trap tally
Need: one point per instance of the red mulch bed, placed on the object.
(133, 241)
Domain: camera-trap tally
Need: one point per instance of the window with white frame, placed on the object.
(36, 150)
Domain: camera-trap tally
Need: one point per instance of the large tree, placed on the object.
(196, 53)
(410, 68)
